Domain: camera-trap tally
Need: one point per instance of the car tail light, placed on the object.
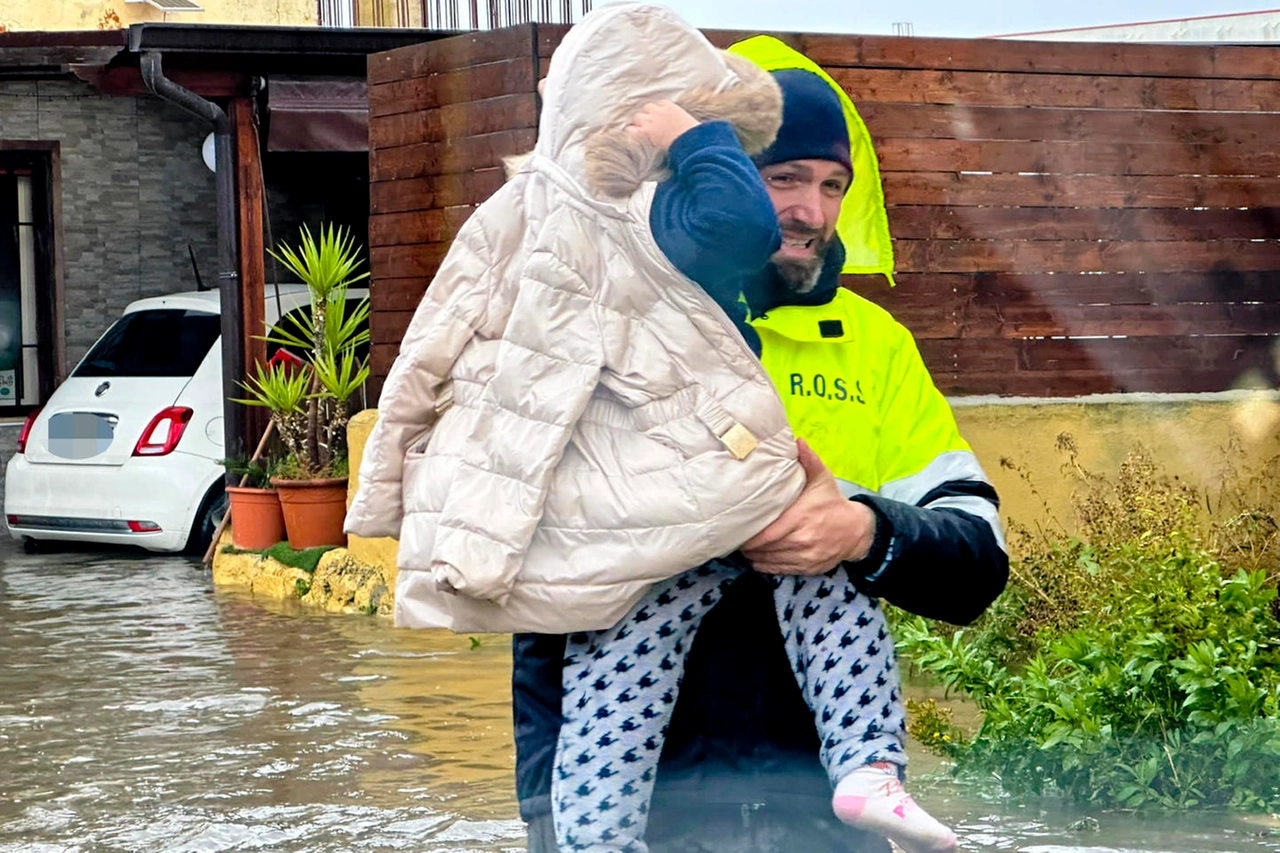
(164, 432)
(26, 430)
(290, 361)
(143, 527)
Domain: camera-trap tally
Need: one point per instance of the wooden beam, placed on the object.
(920, 291)
(509, 77)
(451, 121)
(434, 191)
(1070, 367)
(457, 156)
(1092, 58)
(128, 81)
(1058, 124)
(422, 226)
(942, 222)
(1090, 256)
(445, 55)
(1254, 157)
(1087, 191)
(249, 205)
(1004, 89)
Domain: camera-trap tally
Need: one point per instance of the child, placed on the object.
(620, 684)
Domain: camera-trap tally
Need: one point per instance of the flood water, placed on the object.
(143, 710)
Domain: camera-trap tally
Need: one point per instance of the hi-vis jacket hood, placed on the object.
(570, 419)
(864, 223)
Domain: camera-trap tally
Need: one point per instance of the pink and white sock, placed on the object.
(873, 799)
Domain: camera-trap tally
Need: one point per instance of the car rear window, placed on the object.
(163, 342)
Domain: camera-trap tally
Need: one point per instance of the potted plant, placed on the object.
(309, 397)
(257, 521)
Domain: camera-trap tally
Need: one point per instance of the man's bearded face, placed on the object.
(807, 195)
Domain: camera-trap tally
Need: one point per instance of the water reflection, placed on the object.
(141, 710)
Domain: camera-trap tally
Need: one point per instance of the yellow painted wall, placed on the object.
(57, 15)
(1197, 440)
(373, 552)
(1194, 439)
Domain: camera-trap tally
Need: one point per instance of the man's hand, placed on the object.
(661, 122)
(817, 532)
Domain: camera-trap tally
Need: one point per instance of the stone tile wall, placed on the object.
(135, 194)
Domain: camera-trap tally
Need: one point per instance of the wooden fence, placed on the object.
(1067, 218)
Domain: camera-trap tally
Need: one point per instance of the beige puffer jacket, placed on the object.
(570, 419)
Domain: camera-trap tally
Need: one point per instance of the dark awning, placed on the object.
(317, 114)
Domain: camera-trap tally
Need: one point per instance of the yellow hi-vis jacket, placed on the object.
(855, 388)
(854, 385)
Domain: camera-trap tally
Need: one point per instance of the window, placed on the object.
(163, 342)
(27, 344)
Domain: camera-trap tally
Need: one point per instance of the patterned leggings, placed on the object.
(620, 688)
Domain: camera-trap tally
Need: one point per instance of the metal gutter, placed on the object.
(232, 309)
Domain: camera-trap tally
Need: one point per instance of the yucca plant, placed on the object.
(285, 391)
(310, 404)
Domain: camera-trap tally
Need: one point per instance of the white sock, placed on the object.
(873, 799)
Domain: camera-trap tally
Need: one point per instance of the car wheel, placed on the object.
(212, 509)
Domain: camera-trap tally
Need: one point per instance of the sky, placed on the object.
(949, 18)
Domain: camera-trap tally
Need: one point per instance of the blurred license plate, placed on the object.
(80, 435)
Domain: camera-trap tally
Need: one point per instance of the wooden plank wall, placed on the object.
(1077, 218)
(442, 115)
(1068, 218)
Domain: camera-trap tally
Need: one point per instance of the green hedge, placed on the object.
(1135, 664)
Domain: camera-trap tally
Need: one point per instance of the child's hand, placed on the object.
(661, 122)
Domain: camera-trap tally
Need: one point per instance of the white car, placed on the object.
(129, 448)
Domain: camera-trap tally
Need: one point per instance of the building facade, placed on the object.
(63, 15)
(106, 191)
(104, 199)
(112, 202)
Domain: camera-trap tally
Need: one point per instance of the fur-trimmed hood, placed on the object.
(624, 56)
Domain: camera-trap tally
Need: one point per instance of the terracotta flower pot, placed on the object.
(256, 520)
(313, 511)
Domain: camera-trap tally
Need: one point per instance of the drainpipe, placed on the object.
(228, 250)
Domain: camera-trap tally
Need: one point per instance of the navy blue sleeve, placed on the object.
(713, 217)
(940, 563)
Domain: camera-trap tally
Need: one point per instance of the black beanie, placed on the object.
(813, 122)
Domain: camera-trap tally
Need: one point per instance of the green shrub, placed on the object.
(1136, 664)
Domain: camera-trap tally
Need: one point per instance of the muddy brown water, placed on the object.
(141, 709)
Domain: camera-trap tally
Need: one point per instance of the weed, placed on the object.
(306, 559)
(930, 723)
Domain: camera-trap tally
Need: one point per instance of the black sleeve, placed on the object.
(941, 563)
(536, 664)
